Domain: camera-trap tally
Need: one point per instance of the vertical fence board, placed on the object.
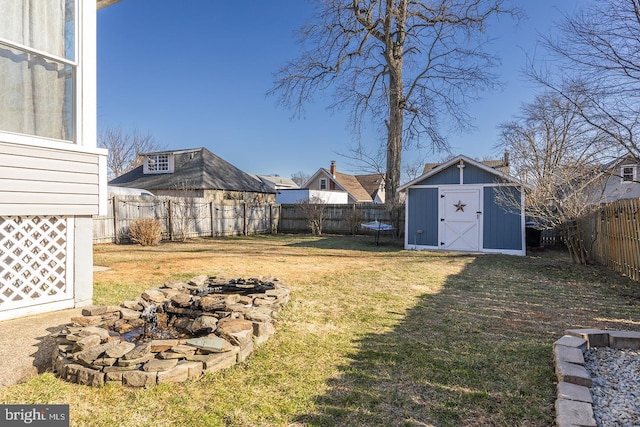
(616, 231)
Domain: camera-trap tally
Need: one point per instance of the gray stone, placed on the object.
(198, 280)
(87, 342)
(86, 320)
(229, 326)
(95, 330)
(624, 340)
(218, 361)
(212, 303)
(132, 305)
(177, 374)
(210, 344)
(562, 353)
(139, 378)
(104, 361)
(91, 354)
(204, 323)
(573, 413)
(195, 368)
(134, 362)
(163, 345)
(571, 341)
(138, 351)
(159, 365)
(120, 349)
(153, 295)
(175, 285)
(258, 316)
(181, 299)
(90, 377)
(576, 392)
(129, 314)
(245, 352)
(572, 373)
(594, 337)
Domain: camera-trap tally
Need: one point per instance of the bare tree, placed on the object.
(597, 59)
(125, 149)
(300, 178)
(409, 65)
(315, 211)
(560, 156)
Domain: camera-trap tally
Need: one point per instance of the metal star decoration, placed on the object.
(460, 206)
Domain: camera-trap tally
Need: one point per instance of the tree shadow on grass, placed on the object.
(479, 353)
(356, 243)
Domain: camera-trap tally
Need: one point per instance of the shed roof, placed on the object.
(439, 168)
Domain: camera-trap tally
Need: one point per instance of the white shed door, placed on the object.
(460, 219)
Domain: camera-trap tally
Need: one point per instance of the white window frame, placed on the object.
(77, 113)
(323, 184)
(634, 173)
(158, 163)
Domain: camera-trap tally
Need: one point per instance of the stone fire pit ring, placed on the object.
(174, 333)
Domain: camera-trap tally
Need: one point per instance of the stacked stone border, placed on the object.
(574, 405)
(222, 328)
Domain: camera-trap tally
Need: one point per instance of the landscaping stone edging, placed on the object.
(574, 405)
(223, 328)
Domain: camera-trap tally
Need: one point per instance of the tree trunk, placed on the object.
(395, 27)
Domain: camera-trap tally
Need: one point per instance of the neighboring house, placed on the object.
(194, 173)
(52, 175)
(275, 182)
(292, 196)
(621, 181)
(455, 207)
(360, 188)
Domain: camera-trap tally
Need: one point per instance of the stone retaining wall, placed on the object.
(216, 322)
(574, 404)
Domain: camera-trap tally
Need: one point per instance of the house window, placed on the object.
(323, 183)
(628, 173)
(38, 63)
(158, 163)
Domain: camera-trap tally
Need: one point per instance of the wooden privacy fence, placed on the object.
(338, 218)
(615, 232)
(183, 217)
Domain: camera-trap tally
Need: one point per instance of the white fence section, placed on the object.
(183, 217)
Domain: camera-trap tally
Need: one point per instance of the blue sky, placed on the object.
(195, 74)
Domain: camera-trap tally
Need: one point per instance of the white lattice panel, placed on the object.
(33, 261)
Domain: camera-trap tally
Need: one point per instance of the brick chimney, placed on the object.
(332, 168)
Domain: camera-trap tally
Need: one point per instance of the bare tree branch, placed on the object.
(409, 65)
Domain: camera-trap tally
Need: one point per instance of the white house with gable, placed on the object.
(52, 175)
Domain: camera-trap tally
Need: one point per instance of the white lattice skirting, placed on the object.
(35, 263)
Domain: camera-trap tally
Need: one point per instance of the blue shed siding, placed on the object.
(502, 226)
(475, 175)
(423, 215)
(450, 175)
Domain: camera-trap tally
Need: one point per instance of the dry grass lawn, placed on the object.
(372, 336)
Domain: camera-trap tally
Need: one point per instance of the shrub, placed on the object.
(145, 231)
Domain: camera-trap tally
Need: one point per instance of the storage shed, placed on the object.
(456, 206)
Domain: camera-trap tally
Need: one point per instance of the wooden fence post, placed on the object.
(116, 235)
(169, 215)
(245, 220)
(211, 211)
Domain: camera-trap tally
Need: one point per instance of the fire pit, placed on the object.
(177, 332)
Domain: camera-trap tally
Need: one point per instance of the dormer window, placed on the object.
(628, 173)
(158, 163)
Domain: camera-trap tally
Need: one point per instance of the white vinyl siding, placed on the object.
(36, 181)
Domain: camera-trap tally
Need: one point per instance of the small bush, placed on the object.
(145, 231)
